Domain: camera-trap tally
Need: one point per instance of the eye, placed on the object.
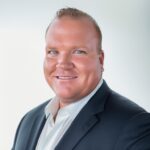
(52, 52)
(80, 52)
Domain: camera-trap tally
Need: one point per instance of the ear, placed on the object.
(101, 57)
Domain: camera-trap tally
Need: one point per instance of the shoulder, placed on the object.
(116, 103)
(122, 106)
(38, 108)
(33, 114)
(119, 110)
(36, 111)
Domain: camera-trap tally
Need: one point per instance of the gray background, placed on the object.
(126, 37)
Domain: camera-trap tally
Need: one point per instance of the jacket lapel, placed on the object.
(85, 120)
(36, 128)
(35, 131)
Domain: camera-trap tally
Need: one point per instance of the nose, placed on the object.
(64, 62)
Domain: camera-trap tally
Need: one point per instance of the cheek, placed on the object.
(48, 66)
(88, 65)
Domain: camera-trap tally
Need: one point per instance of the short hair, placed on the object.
(75, 13)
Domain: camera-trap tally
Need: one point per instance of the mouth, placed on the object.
(66, 77)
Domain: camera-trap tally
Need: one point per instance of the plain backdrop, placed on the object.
(125, 25)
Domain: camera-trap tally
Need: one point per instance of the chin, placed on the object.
(66, 98)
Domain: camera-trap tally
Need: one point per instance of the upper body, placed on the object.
(73, 67)
(108, 121)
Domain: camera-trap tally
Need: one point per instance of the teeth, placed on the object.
(65, 77)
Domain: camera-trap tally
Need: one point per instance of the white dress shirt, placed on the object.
(54, 129)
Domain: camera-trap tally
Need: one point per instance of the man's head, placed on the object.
(73, 63)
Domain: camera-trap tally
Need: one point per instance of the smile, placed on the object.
(66, 77)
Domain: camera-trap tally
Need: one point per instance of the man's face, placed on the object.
(73, 67)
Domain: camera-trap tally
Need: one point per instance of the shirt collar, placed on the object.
(53, 106)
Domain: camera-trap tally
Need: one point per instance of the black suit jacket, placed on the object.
(108, 121)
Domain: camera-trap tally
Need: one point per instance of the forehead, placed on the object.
(72, 25)
(70, 32)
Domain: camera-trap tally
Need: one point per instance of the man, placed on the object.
(85, 114)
